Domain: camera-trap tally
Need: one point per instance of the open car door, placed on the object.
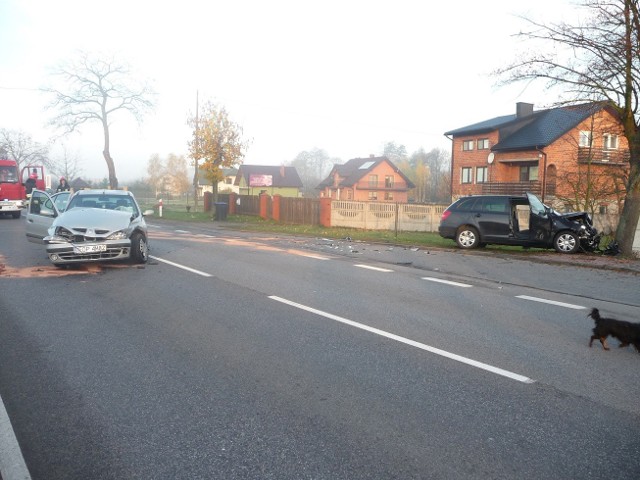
(41, 212)
(539, 221)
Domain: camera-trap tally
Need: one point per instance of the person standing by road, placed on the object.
(63, 186)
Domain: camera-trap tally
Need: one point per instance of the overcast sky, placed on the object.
(346, 76)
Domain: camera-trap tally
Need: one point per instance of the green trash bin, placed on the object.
(222, 209)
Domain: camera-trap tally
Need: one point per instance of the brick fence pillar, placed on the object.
(232, 203)
(264, 206)
(275, 207)
(325, 212)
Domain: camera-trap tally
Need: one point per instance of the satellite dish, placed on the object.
(490, 158)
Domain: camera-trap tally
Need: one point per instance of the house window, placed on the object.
(388, 195)
(610, 142)
(467, 173)
(481, 174)
(602, 209)
(388, 181)
(483, 144)
(373, 196)
(585, 139)
(373, 181)
(349, 194)
(528, 173)
(229, 180)
(467, 145)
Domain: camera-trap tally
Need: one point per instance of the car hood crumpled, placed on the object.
(95, 218)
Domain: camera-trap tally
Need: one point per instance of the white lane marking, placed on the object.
(188, 269)
(551, 302)
(317, 257)
(377, 269)
(182, 231)
(12, 465)
(448, 282)
(422, 346)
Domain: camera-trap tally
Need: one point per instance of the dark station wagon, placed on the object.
(476, 221)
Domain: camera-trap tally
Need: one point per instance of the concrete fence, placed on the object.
(386, 216)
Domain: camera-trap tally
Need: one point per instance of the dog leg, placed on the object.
(603, 341)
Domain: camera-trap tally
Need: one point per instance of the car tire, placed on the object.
(139, 248)
(566, 242)
(468, 237)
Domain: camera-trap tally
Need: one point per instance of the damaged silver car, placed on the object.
(94, 226)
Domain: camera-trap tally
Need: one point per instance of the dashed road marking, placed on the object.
(448, 282)
(551, 302)
(377, 269)
(407, 341)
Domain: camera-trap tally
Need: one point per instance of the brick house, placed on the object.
(559, 154)
(269, 179)
(373, 179)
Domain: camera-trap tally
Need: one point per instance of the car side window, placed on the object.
(495, 205)
(40, 204)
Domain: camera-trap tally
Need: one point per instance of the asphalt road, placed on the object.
(234, 355)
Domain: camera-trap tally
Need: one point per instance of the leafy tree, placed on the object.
(217, 141)
(19, 146)
(94, 90)
(312, 167)
(598, 60)
(394, 152)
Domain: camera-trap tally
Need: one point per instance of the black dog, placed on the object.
(628, 333)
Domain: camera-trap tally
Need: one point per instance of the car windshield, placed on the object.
(108, 202)
(8, 174)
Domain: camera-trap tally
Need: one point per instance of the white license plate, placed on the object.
(90, 248)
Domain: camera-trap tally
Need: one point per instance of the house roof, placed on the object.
(356, 168)
(227, 172)
(537, 130)
(281, 176)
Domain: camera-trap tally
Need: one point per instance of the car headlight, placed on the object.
(59, 235)
(119, 235)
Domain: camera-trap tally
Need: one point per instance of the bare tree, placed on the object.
(66, 165)
(94, 90)
(19, 146)
(177, 175)
(156, 173)
(312, 167)
(599, 60)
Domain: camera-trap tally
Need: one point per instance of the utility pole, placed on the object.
(196, 158)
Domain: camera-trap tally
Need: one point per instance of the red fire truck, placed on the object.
(15, 187)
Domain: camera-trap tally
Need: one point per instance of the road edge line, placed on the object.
(12, 465)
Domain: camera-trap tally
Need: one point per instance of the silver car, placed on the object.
(88, 226)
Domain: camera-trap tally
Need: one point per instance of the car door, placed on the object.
(493, 218)
(539, 221)
(41, 212)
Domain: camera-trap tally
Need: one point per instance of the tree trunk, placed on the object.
(628, 222)
(113, 180)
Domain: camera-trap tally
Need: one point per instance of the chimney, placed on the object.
(524, 109)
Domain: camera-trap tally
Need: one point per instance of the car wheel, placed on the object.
(566, 242)
(139, 248)
(467, 237)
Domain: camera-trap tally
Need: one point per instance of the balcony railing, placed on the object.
(602, 155)
(518, 188)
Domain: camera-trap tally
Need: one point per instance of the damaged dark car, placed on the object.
(525, 221)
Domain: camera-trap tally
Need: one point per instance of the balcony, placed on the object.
(518, 188)
(602, 155)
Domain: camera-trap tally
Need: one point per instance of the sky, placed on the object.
(345, 76)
